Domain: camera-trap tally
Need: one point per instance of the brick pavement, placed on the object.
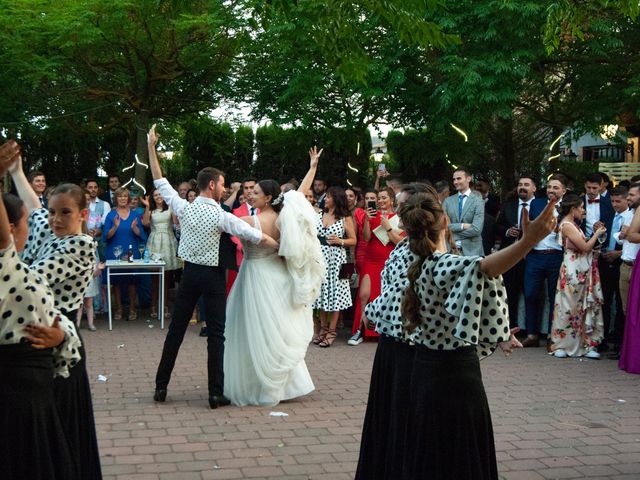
(553, 418)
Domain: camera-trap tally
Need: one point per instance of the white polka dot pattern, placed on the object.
(67, 263)
(27, 299)
(461, 306)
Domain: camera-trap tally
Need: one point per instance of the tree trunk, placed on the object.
(508, 156)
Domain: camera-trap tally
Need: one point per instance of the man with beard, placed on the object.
(319, 191)
(509, 226)
(542, 263)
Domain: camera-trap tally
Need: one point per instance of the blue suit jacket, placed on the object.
(537, 206)
(606, 215)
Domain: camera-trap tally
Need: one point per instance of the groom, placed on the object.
(205, 260)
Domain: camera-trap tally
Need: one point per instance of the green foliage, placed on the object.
(334, 28)
(208, 144)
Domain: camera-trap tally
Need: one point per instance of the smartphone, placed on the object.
(381, 167)
(323, 240)
(371, 204)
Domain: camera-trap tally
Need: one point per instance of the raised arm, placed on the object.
(307, 181)
(235, 188)
(152, 141)
(25, 192)
(533, 232)
(9, 153)
(572, 233)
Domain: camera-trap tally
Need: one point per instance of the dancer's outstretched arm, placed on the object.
(9, 152)
(25, 192)
(152, 141)
(307, 181)
(167, 192)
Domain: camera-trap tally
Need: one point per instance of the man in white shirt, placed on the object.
(609, 265)
(542, 263)
(203, 223)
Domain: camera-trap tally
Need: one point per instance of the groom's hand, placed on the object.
(269, 242)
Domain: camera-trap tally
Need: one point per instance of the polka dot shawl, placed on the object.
(26, 299)
(460, 305)
(67, 263)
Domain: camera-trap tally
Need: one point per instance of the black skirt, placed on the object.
(75, 407)
(383, 433)
(449, 434)
(33, 445)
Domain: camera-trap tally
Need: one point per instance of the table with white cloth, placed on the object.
(137, 267)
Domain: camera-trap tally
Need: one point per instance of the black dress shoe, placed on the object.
(613, 355)
(160, 395)
(216, 401)
(203, 332)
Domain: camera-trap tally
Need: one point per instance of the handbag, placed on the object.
(347, 270)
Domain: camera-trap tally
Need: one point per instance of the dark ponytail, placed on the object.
(422, 219)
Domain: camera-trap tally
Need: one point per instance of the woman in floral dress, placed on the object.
(577, 314)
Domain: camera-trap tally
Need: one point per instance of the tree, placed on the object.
(120, 63)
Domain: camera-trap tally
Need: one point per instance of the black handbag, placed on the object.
(347, 270)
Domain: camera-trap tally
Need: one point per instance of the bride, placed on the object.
(269, 317)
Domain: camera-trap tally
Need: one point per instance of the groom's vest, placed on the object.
(201, 240)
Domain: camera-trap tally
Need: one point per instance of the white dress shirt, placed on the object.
(521, 204)
(550, 242)
(629, 250)
(466, 196)
(593, 215)
(201, 224)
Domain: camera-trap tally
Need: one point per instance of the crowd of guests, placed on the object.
(580, 273)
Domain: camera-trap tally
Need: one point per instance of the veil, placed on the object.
(300, 247)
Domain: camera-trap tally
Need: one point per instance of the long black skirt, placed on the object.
(383, 433)
(33, 445)
(449, 434)
(75, 407)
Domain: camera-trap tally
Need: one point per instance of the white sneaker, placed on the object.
(560, 354)
(356, 339)
(593, 353)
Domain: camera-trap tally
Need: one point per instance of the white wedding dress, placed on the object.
(269, 318)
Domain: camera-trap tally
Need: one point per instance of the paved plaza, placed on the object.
(553, 418)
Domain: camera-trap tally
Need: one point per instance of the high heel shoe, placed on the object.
(319, 338)
(133, 315)
(154, 313)
(329, 338)
(118, 314)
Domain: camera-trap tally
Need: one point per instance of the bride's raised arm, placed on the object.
(307, 181)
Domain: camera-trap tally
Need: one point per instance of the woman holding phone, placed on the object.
(381, 234)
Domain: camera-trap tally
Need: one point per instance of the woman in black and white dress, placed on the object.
(32, 441)
(59, 251)
(438, 313)
(336, 232)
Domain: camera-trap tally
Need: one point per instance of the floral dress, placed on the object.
(577, 314)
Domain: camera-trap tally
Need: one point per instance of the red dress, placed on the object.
(370, 261)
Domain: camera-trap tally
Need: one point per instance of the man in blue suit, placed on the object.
(542, 263)
(599, 212)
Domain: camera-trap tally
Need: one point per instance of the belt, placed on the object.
(548, 251)
(628, 262)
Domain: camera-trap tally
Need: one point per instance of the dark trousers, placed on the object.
(208, 282)
(538, 268)
(610, 282)
(514, 284)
